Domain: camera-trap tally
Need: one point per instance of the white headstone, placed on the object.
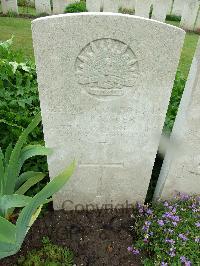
(69, 2)
(94, 5)
(43, 6)
(160, 8)
(127, 4)
(197, 23)
(178, 7)
(142, 8)
(189, 14)
(59, 6)
(104, 82)
(181, 168)
(111, 6)
(170, 6)
(9, 6)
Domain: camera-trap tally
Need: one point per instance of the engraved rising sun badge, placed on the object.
(106, 66)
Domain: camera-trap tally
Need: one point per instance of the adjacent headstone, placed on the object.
(9, 6)
(178, 7)
(160, 8)
(143, 7)
(189, 14)
(94, 5)
(111, 6)
(59, 6)
(127, 4)
(170, 6)
(43, 6)
(197, 23)
(181, 168)
(104, 82)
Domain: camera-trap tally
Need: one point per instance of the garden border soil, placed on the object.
(97, 238)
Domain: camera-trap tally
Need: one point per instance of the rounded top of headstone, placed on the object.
(106, 14)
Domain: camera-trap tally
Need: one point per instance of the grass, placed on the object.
(21, 29)
(188, 50)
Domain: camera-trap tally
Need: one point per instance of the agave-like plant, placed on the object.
(13, 183)
(12, 236)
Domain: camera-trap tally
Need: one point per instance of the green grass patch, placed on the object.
(21, 29)
(48, 255)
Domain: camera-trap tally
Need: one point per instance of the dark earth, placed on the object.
(97, 238)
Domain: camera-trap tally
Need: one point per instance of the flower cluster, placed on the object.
(169, 231)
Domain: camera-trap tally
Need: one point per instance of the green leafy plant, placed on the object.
(48, 255)
(76, 7)
(12, 236)
(168, 233)
(126, 11)
(173, 18)
(12, 181)
(19, 100)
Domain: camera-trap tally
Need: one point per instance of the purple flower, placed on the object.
(174, 223)
(167, 215)
(197, 239)
(160, 222)
(130, 249)
(188, 263)
(183, 237)
(174, 210)
(164, 263)
(149, 211)
(171, 241)
(183, 259)
(197, 224)
(170, 230)
(172, 254)
(166, 204)
(135, 251)
(184, 196)
(175, 218)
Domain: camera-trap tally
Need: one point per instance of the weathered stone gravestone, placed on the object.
(94, 5)
(181, 168)
(9, 6)
(197, 23)
(111, 6)
(104, 82)
(43, 6)
(142, 8)
(59, 6)
(160, 8)
(127, 4)
(189, 15)
(178, 7)
(170, 6)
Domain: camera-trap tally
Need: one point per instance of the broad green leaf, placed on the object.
(25, 218)
(12, 201)
(6, 44)
(13, 168)
(33, 150)
(1, 172)
(29, 183)
(8, 249)
(24, 177)
(14, 66)
(7, 154)
(7, 232)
